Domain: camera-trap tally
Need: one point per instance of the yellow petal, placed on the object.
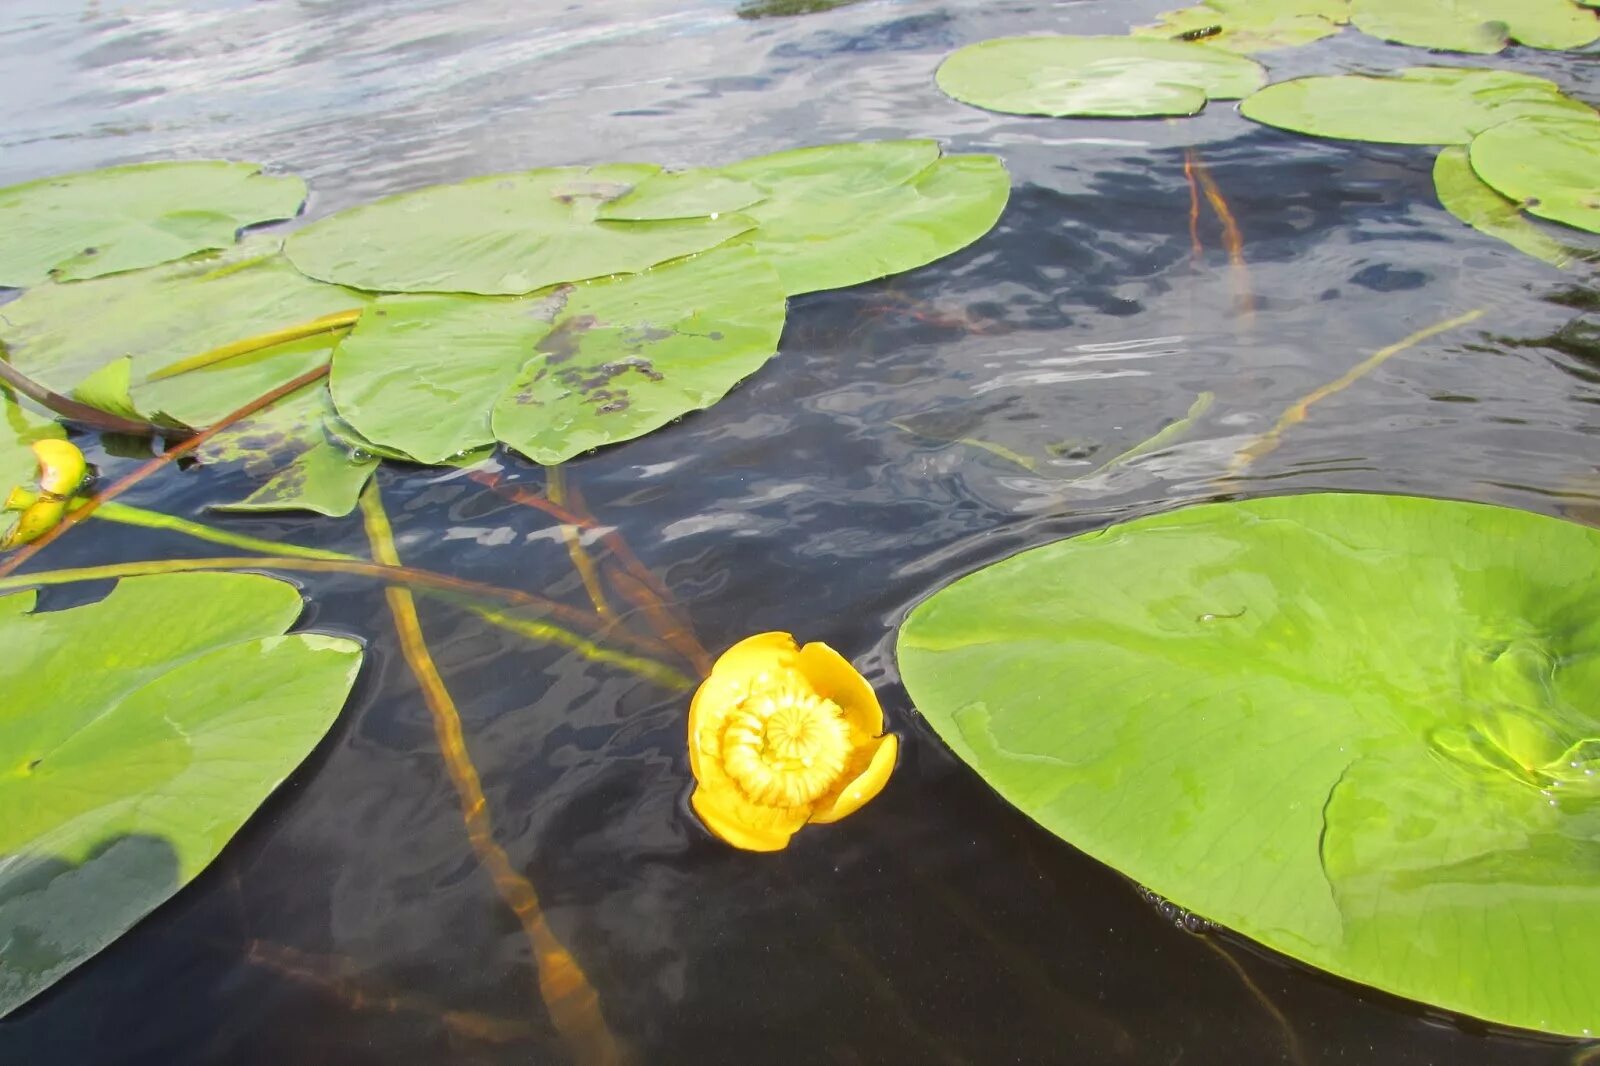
(854, 795)
(40, 518)
(763, 653)
(742, 823)
(832, 676)
(61, 466)
(730, 680)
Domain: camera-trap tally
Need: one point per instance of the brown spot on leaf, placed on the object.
(547, 307)
(561, 343)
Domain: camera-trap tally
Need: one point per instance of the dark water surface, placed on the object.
(350, 923)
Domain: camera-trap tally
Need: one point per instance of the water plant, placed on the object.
(1335, 723)
(782, 735)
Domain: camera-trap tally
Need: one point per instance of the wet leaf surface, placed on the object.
(99, 222)
(1356, 728)
(558, 373)
(65, 334)
(139, 733)
(1252, 25)
(843, 214)
(1418, 105)
(1469, 198)
(1551, 166)
(1482, 26)
(1096, 76)
(503, 234)
(295, 447)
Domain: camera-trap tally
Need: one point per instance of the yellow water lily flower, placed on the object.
(62, 472)
(781, 735)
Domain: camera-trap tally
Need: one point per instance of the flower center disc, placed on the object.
(785, 746)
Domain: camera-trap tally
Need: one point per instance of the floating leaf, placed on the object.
(63, 334)
(764, 9)
(1466, 196)
(842, 214)
(1096, 76)
(1420, 105)
(121, 218)
(1252, 25)
(1360, 729)
(504, 234)
(1482, 26)
(1551, 166)
(294, 443)
(559, 373)
(138, 734)
(681, 194)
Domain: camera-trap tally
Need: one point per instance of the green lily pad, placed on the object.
(138, 735)
(841, 214)
(766, 9)
(1420, 105)
(1119, 77)
(702, 192)
(295, 446)
(1359, 729)
(1252, 25)
(1551, 166)
(114, 332)
(558, 373)
(1469, 198)
(1481, 26)
(121, 218)
(504, 234)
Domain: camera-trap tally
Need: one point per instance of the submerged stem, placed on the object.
(573, 1004)
(1298, 411)
(581, 561)
(337, 978)
(1291, 1040)
(1232, 239)
(127, 515)
(422, 580)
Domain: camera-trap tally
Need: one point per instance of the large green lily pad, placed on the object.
(842, 214)
(1551, 166)
(1469, 198)
(1118, 77)
(555, 374)
(1419, 105)
(114, 332)
(1359, 729)
(504, 234)
(137, 735)
(1481, 26)
(121, 218)
(1252, 25)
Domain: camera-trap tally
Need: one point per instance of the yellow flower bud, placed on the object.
(62, 472)
(781, 735)
(62, 469)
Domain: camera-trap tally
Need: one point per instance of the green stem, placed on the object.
(333, 323)
(137, 516)
(461, 593)
(397, 575)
